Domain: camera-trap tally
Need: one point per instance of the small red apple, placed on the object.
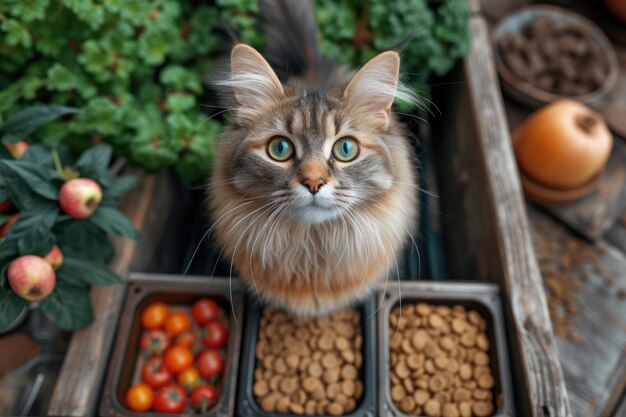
(5, 205)
(55, 257)
(31, 277)
(17, 149)
(80, 197)
(4, 228)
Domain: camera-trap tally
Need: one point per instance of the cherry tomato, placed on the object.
(203, 396)
(214, 335)
(154, 342)
(170, 399)
(177, 323)
(139, 397)
(154, 315)
(210, 363)
(178, 358)
(155, 374)
(186, 339)
(188, 378)
(205, 311)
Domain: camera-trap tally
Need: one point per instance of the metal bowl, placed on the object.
(526, 93)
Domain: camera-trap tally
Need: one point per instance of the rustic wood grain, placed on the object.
(594, 366)
(542, 376)
(78, 387)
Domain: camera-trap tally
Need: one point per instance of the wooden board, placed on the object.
(78, 388)
(485, 221)
(594, 366)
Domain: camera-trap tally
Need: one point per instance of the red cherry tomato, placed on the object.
(214, 335)
(177, 359)
(155, 374)
(210, 363)
(154, 315)
(139, 397)
(170, 399)
(177, 323)
(205, 311)
(204, 396)
(154, 342)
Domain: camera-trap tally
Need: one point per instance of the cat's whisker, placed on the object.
(209, 118)
(272, 205)
(208, 232)
(270, 234)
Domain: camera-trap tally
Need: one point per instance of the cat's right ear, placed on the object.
(253, 80)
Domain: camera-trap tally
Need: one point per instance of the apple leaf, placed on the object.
(31, 174)
(82, 238)
(37, 240)
(120, 186)
(69, 306)
(10, 306)
(24, 122)
(81, 272)
(97, 157)
(113, 221)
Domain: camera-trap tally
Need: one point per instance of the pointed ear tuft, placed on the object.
(373, 89)
(254, 82)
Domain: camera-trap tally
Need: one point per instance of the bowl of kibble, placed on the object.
(544, 53)
(317, 367)
(443, 352)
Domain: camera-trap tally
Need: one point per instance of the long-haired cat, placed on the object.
(313, 192)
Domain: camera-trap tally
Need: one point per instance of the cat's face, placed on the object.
(309, 154)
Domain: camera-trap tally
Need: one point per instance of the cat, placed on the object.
(313, 193)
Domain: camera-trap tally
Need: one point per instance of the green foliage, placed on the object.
(125, 64)
(32, 184)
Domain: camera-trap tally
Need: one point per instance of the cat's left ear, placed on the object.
(253, 80)
(373, 89)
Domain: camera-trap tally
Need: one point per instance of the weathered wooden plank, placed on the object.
(594, 365)
(77, 390)
(542, 375)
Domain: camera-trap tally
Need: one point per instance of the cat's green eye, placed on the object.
(346, 149)
(280, 149)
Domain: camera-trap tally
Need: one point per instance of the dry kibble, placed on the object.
(398, 393)
(482, 409)
(432, 408)
(308, 366)
(439, 362)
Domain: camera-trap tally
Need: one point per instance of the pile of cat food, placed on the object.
(440, 361)
(554, 56)
(310, 367)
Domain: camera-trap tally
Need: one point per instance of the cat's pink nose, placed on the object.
(313, 185)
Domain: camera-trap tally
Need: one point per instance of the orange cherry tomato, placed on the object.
(154, 315)
(139, 397)
(177, 323)
(188, 378)
(186, 339)
(178, 358)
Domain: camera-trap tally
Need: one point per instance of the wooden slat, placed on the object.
(595, 365)
(77, 390)
(542, 377)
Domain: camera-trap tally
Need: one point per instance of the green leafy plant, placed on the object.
(134, 67)
(29, 192)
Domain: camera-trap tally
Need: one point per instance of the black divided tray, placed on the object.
(482, 297)
(247, 405)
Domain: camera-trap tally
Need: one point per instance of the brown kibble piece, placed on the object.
(348, 388)
(329, 360)
(432, 408)
(349, 372)
(401, 370)
(311, 383)
(334, 409)
(331, 375)
(296, 408)
(260, 389)
(450, 410)
(465, 371)
(458, 326)
(461, 394)
(326, 342)
(282, 406)
(269, 403)
(421, 396)
(436, 383)
(407, 405)
(465, 409)
(397, 393)
(288, 385)
(341, 343)
(482, 409)
(293, 360)
(485, 381)
(419, 340)
(435, 321)
(481, 359)
(315, 369)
